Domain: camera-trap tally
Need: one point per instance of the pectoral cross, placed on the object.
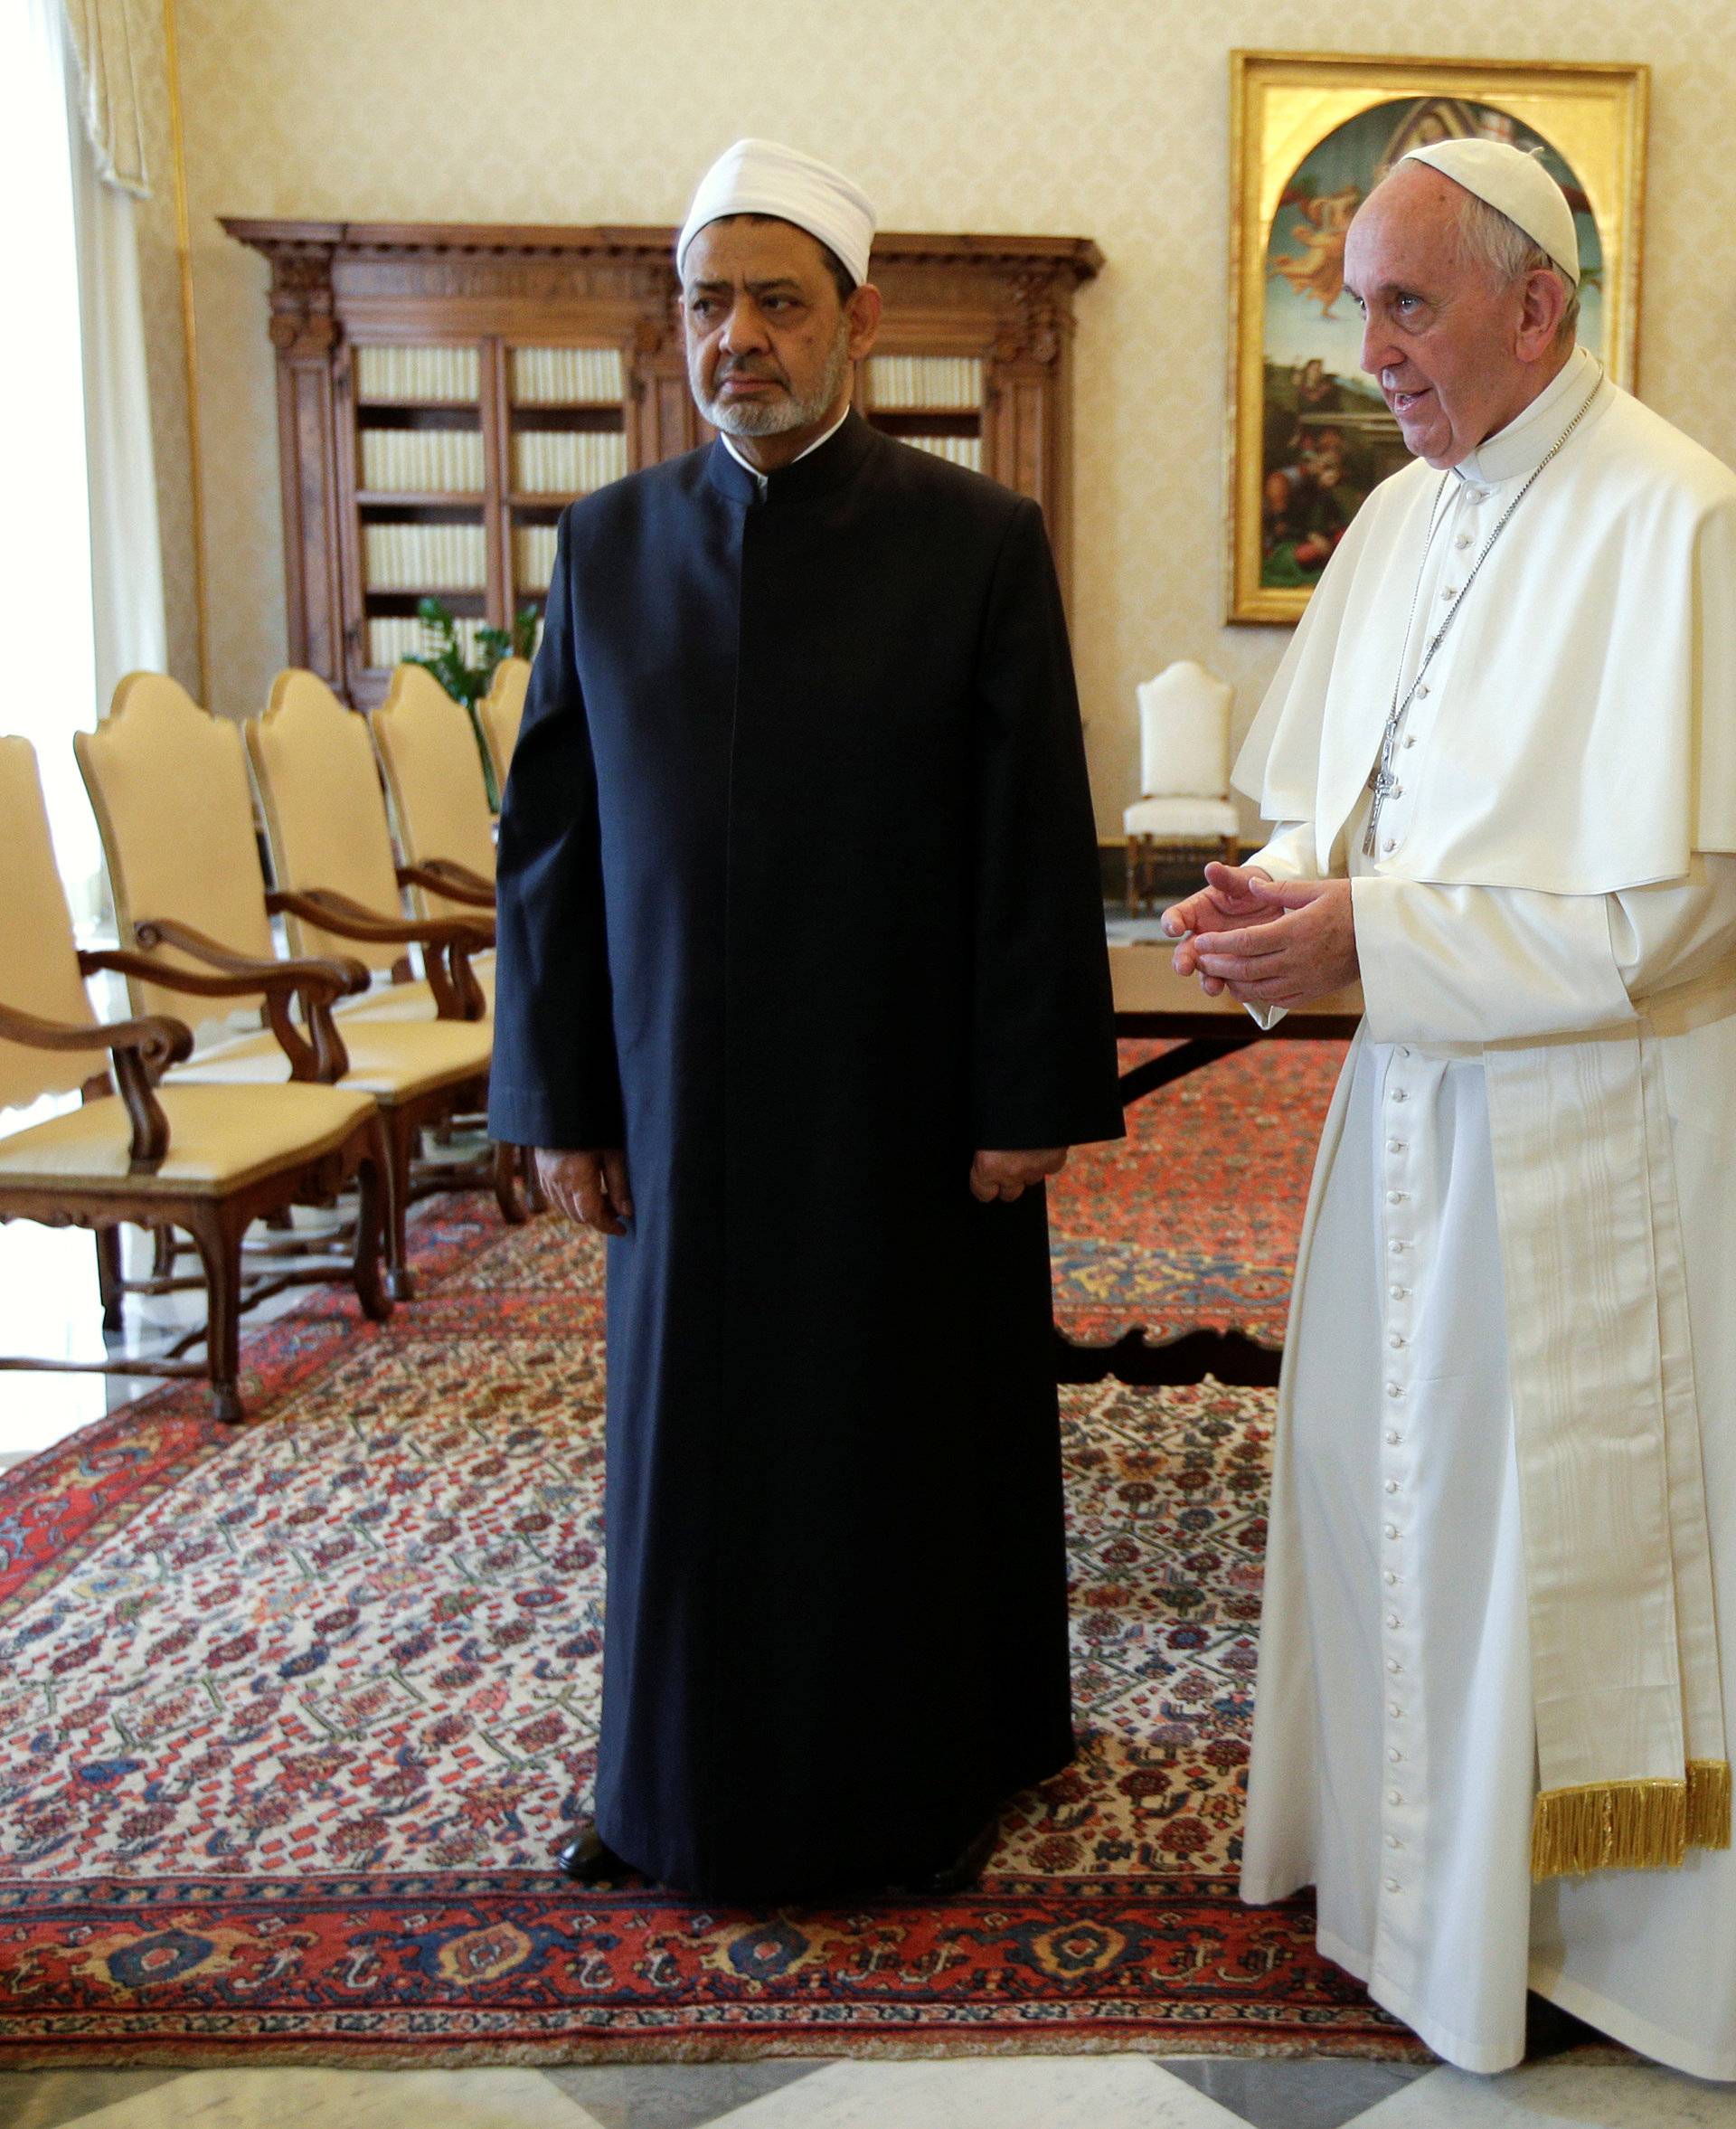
(1381, 778)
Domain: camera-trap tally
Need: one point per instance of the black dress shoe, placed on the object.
(965, 1869)
(587, 1859)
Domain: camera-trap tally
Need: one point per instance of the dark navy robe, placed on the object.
(798, 900)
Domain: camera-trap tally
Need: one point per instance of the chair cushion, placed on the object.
(1203, 818)
(394, 1060)
(219, 1138)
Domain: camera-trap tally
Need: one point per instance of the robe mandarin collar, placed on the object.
(814, 475)
(1522, 446)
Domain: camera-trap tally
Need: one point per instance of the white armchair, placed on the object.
(1183, 773)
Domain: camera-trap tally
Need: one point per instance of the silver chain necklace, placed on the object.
(1381, 779)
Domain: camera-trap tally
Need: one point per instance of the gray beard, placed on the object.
(776, 417)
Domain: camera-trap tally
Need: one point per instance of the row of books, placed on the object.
(393, 638)
(566, 377)
(422, 462)
(962, 450)
(534, 556)
(566, 461)
(410, 557)
(417, 373)
(942, 382)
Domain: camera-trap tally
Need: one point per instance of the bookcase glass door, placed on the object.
(934, 401)
(563, 417)
(421, 487)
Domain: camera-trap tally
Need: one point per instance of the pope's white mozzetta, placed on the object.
(765, 177)
(1521, 1161)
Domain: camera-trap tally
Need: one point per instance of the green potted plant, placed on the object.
(463, 681)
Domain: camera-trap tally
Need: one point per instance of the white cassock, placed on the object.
(1523, 1205)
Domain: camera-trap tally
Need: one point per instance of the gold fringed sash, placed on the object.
(1632, 1762)
(1609, 1826)
(1708, 1804)
(1630, 1825)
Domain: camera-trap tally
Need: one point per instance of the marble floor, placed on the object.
(1026, 2092)
(48, 1304)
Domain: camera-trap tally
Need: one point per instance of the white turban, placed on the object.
(764, 177)
(1516, 185)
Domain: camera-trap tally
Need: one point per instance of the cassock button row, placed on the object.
(1395, 1145)
(1393, 1437)
(1392, 1885)
(1397, 1248)
(1409, 739)
(1394, 1621)
(1388, 1577)
(1392, 1663)
(1395, 1796)
(1389, 847)
(1392, 1840)
(1395, 1197)
(1395, 1389)
(1394, 1754)
(1399, 1095)
(1398, 1293)
(1463, 540)
(1393, 1707)
(1392, 1529)
(1422, 689)
(1395, 1339)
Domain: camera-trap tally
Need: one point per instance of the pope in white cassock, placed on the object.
(1490, 1721)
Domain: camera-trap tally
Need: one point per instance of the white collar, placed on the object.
(728, 445)
(1522, 446)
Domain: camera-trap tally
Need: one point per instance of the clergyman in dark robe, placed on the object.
(802, 992)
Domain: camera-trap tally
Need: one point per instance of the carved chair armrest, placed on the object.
(142, 1049)
(338, 974)
(446, 943)
(446, 875)
(317, 1054)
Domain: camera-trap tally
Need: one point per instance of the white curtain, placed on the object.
(80, 584)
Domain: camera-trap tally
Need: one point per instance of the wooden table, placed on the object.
(1153, 1003)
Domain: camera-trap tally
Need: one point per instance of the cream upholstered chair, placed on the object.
(439, 802)
(205, 1160)
(501, 712)
(1184, 773)
(331, 857)
(168, 782)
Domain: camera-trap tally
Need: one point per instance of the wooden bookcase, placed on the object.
(445, 389)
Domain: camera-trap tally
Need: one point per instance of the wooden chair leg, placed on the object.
(509, 1191)
(110, 1276)
(369, 1220)
(217, 1236)
(1133, 875)
(403, 1130)
(162, 1252)
(1231, 849)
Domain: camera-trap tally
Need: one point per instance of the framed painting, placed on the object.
(1311, 134)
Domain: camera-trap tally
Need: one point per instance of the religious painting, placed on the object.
(1310, 432)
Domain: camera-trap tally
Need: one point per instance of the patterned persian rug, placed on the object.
(1192, 1222)
(293, 1716)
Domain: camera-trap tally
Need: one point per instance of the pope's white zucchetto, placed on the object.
(1514, 184)
(764, 177)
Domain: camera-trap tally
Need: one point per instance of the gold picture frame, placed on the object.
(1308, 435)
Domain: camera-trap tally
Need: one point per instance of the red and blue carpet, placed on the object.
(292, 1717)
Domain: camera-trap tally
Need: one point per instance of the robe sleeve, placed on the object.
(554, 1081)
(1509, 964)
(1042, 1027)
(1289, 853)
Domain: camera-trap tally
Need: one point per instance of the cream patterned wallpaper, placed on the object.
(1104, 117)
